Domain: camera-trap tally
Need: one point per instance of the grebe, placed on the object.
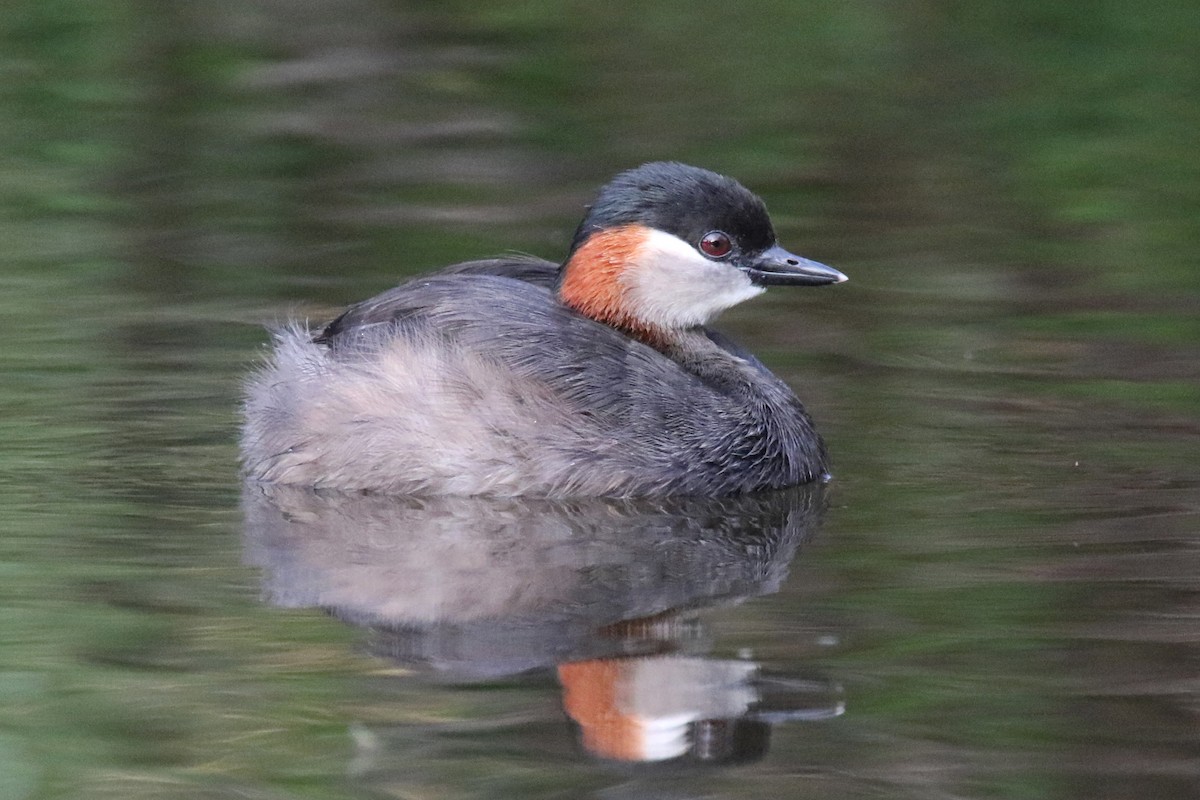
(518, 376)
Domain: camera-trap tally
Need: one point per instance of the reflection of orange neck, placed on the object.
(590, 698)
(591, 282)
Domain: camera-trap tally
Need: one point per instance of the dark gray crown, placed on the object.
(682, 200)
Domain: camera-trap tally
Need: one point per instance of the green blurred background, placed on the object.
(1010, 383)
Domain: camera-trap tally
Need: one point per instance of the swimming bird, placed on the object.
(518, 376)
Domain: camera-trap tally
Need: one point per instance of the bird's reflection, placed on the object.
(606, 592)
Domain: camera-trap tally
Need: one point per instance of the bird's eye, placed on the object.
(716, 244)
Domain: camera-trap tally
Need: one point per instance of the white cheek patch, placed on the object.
(671, 285)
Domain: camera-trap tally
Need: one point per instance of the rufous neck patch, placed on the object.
(591, 282)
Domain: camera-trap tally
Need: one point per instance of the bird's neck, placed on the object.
(591, 283)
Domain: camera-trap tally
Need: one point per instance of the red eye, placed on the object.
(716, 244)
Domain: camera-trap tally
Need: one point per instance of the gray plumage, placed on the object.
(477, 380)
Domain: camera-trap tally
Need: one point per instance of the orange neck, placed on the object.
(591, 282)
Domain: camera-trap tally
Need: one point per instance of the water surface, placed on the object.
(995, 597)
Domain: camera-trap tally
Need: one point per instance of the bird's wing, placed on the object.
(529, 269)
(520, 326)
(397, 304)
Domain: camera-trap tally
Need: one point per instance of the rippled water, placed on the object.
(997, 596)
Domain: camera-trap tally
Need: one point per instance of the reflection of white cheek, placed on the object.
(670, 285)
(667, 693)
